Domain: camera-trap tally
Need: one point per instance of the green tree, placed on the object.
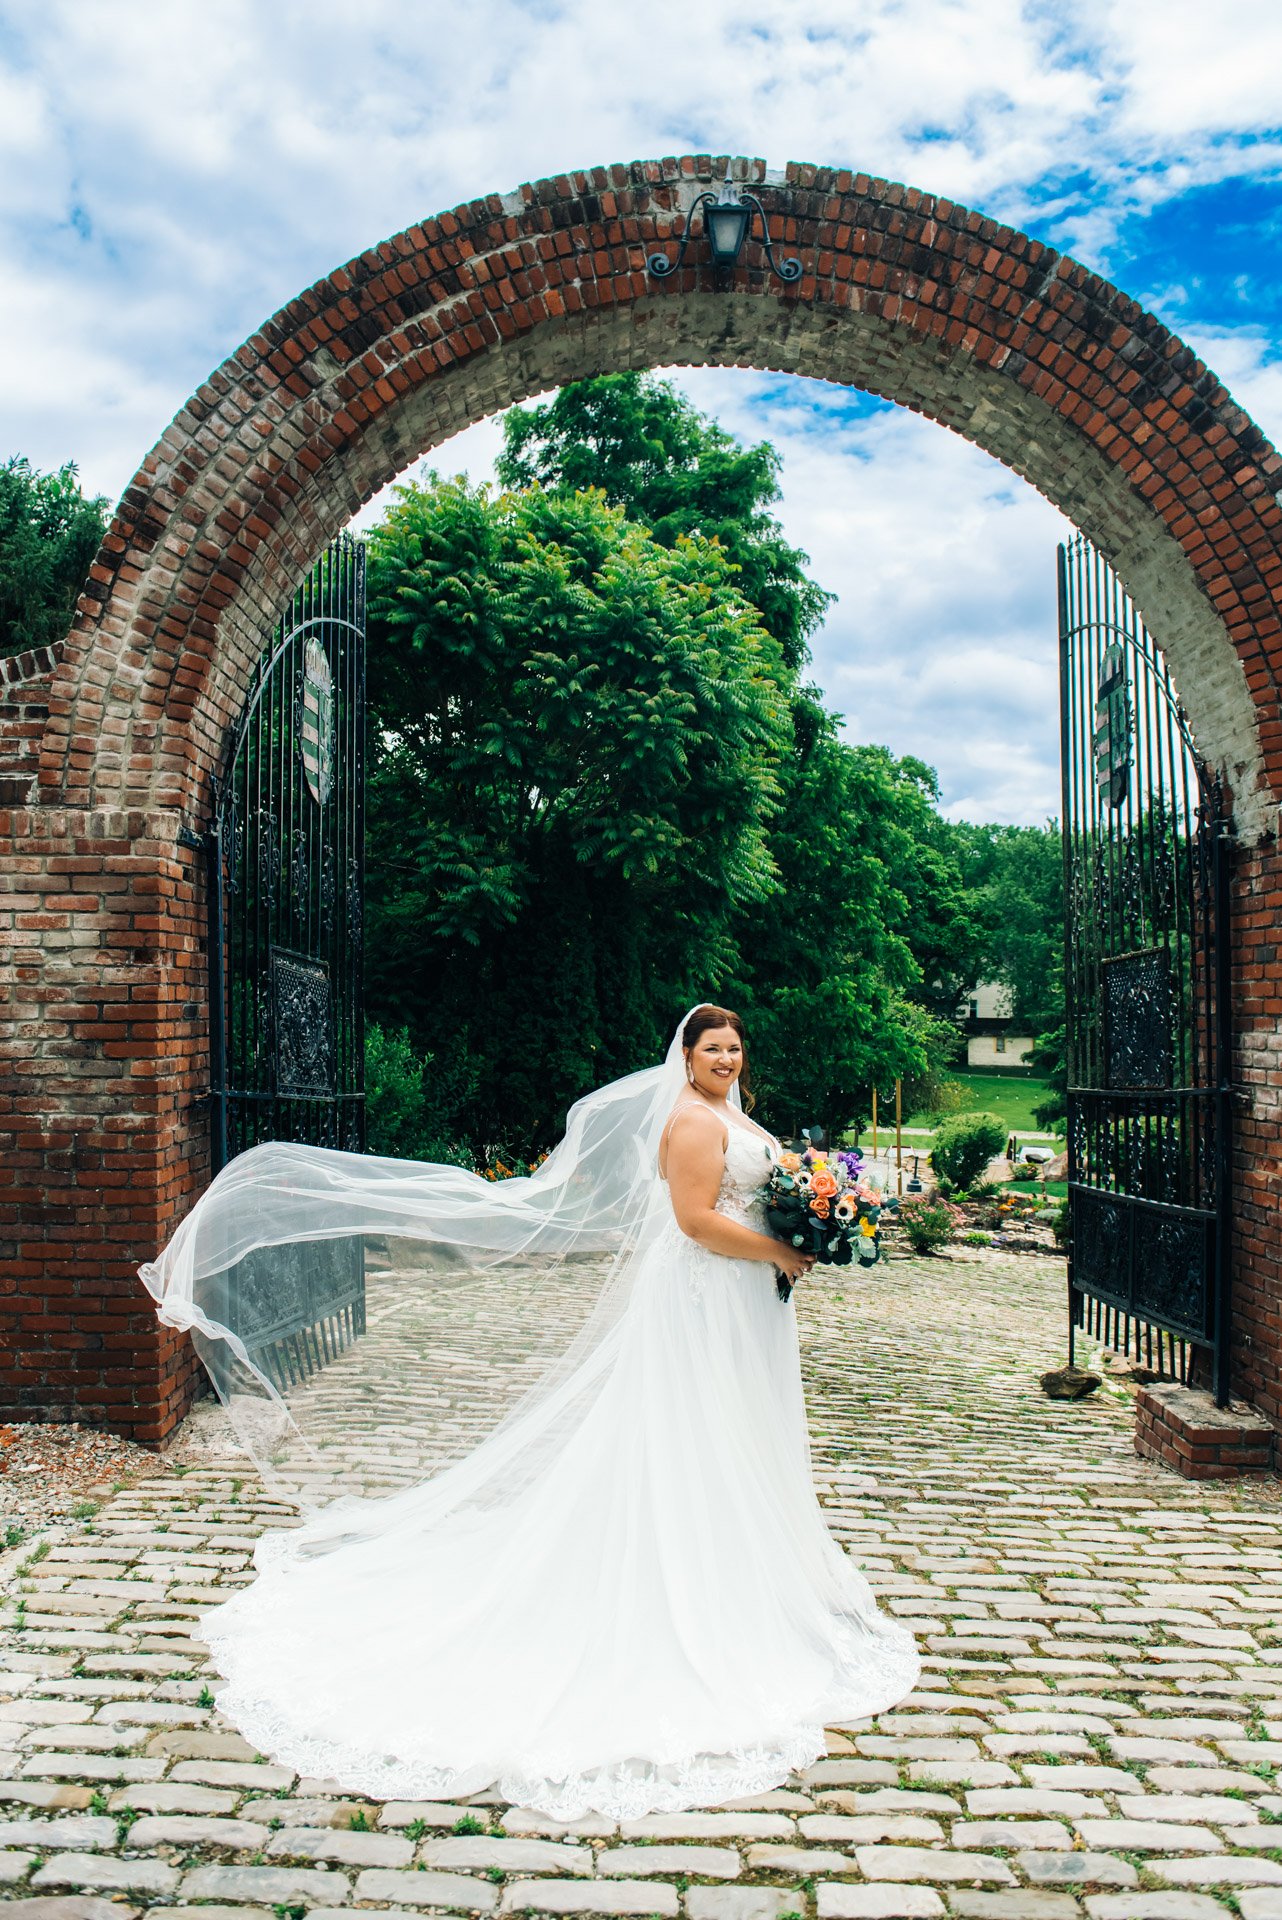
(576, 734)
(677, 472)
(49, 534)
(829, 969)
(870, 908)
(1014, 880)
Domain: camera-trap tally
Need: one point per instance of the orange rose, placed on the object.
(823, 1183)
(790, 1162)
(819, 1207)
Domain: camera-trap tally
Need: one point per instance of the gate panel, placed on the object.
(285, 870)
(1146, 869)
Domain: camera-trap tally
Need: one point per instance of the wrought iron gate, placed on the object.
(285, 885)
(1146, 871)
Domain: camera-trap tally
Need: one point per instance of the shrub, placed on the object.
(964, 1145)
(975, 1240)
(402, 1120)
(1061, 1227)
(927, 1224)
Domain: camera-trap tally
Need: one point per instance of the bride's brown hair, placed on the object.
(704, 1018)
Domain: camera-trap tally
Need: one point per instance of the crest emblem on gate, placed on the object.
(1112, 738)
(316, 722)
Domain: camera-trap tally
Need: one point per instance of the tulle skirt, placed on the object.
(656, 1619)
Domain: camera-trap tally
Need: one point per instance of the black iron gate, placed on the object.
(1146, 871)
(285, 884)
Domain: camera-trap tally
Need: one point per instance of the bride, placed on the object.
(625, 1598)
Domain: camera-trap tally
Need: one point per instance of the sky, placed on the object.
(169, 176)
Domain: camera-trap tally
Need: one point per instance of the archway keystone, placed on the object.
(977, 326)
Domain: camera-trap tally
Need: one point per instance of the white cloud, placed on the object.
(168, 179)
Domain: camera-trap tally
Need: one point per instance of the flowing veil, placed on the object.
(358, 1448)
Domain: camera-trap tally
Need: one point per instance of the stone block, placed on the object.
(983, 1834)
(799, 1860)
(708, 1826)
(101, 1873)
(1149, 1836)
(930, 1865)
(1188, 1809)
(1063, 1868)
(877, 1902)
(742, 1903)
(1027, 1903)
(69, 1906)
(482, 1852)
(1153, 1906)
(416, 1889)
(866, 1829)
(193, 1830)
(265, 1886)
(524, 1820)
(705, 1863)
(165, 1797)
(339, 1846)
(621, 1896)
(84, 1832)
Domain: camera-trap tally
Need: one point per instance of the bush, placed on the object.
(401, 1120)
(927, 1224)
(975, 1240)
(964, 1145)
(1061, 1227)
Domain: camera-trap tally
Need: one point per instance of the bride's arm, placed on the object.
(695, 1163)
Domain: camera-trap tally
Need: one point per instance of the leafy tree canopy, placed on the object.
(49, 534)
(677, 472)
(576, 760)
(1014, 879)
(601, 788)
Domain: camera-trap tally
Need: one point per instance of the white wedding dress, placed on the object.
(654, 1618)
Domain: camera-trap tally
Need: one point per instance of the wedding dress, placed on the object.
(624, 1600)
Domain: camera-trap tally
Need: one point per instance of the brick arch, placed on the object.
(1049, 368)
(104, 749)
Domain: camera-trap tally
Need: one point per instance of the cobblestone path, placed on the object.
(1098, 1731)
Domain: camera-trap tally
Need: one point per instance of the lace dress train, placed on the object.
(658, 1619)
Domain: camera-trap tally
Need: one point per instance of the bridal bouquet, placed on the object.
(823, 1203)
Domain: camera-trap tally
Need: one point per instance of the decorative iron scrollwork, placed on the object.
(302, 1023)
(1138, 1019)
(1172, 1271)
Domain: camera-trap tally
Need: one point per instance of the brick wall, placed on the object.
(975, 325)
(26, 680)
(1257, 1156)
(102, 1055)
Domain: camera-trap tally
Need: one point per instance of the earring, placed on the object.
(689, 1073)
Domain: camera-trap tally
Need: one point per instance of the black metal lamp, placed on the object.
(728, 219)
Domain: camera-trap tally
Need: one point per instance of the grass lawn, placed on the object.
(1011, 1098)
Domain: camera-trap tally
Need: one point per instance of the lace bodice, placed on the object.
(749, 1158)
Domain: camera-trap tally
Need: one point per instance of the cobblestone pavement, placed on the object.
(1098, 1730)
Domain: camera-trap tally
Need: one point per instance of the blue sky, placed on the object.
(168, 177)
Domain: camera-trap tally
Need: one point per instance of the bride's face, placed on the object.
(716, 1060)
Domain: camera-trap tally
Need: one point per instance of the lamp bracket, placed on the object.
(788, 270)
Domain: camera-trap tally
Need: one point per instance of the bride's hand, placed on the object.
(792, 1262)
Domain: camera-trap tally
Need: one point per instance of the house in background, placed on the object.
(992, 1042)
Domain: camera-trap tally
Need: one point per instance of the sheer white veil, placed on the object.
(281, 1212)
